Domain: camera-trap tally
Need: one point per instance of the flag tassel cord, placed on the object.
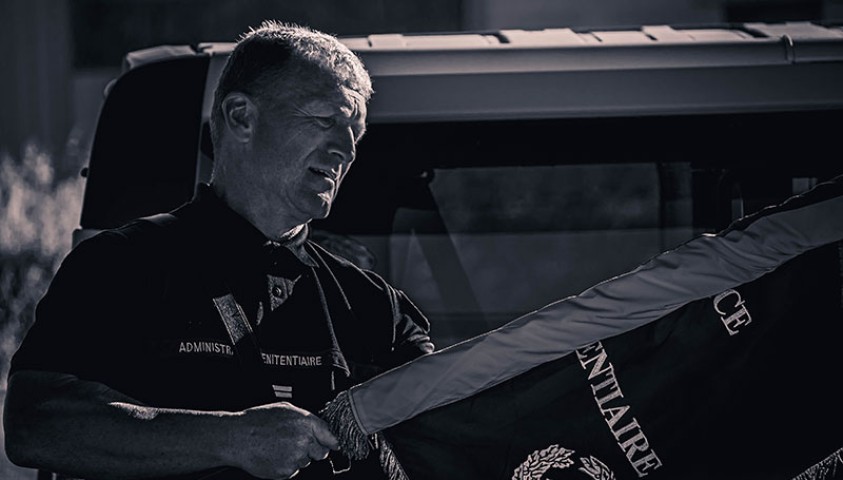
(827, 468)
(354, 443)
(389, 462)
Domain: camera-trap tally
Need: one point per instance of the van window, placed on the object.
(482, 222)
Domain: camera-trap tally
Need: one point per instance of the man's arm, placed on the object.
(58, 422)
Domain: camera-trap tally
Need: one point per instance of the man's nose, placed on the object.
(342, 154)
(343, 145)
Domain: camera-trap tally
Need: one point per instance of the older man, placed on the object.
(200, 342)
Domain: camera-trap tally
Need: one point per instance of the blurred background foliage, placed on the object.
(39, 208)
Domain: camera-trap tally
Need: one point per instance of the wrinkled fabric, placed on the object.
(703, 267)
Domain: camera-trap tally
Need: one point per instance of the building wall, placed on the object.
(533, 14)
(134, 24)
(36, 72)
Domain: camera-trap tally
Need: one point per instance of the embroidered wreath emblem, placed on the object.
(541, 461)
(554, 456)
(596, 469)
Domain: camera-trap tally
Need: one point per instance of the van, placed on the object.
(505, 170)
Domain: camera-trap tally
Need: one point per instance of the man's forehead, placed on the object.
(341, 99)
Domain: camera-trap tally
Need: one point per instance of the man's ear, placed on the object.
(240, 115)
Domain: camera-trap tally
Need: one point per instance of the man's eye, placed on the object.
(325, 122)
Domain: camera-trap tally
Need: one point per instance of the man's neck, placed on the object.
(290, 234)
(270, 224)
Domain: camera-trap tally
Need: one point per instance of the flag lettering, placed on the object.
(605, 388)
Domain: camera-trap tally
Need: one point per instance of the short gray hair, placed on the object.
(276, 51)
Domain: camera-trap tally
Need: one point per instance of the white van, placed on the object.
(504, 170)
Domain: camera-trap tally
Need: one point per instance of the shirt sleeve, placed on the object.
(82, 323)
(412, 330)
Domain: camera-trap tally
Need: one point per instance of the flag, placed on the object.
(720, 359)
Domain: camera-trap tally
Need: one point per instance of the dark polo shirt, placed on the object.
(133, 308)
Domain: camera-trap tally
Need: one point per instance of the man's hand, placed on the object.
(84, 429)
(277, 440)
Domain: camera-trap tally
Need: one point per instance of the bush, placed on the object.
(38, 213)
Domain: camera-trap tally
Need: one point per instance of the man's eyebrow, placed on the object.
(356, 100)
(347, 110)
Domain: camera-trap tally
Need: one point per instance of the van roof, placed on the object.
(564, 72)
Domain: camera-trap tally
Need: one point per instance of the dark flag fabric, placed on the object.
(720, 359)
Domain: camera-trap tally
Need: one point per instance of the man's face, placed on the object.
(303, 146)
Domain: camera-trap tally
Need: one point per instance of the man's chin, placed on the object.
(321, 211)
(327, 201)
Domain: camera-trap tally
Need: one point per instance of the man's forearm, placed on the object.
(60, 423)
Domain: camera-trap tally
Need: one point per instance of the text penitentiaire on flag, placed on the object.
(720, 359)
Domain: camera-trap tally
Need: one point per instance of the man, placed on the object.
(203, 341)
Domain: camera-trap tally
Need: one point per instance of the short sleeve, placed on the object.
(411, 328)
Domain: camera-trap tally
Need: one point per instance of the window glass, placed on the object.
(481, 222)
(502, 241)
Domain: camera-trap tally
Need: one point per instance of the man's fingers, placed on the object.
(317, 451)
(323, 434)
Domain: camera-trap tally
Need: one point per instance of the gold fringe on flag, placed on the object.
(389, 462)
(338, 413)
(826, 469)
(354, 443)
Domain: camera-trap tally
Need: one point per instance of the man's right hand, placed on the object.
(277, 440)
(85, 429)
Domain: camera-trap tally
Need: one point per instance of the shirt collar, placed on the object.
(232, 229)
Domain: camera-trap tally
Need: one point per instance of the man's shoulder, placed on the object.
(154, 228)
(148, 238)
(347, 273)
(387, 317)
(364, 288)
